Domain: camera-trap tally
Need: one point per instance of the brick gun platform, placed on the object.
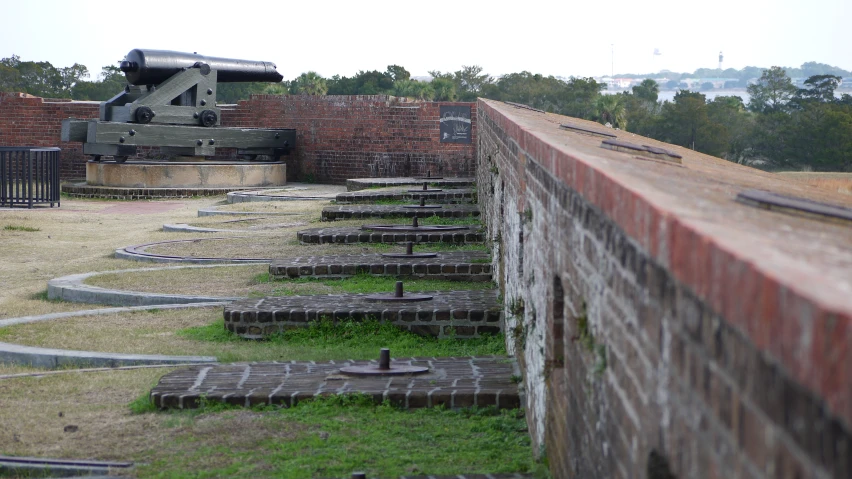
(345, 212)
(355, 184)
(452, 195)
(462, 314)
(357, 235)
(452, 382)
(455, 265)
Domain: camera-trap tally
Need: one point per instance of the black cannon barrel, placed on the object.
(152, 67)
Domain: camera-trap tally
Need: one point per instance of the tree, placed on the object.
(611, 109)
(686, 122)
(648, 90)
(818, 88)
(707, 86)
(404, 88)
(470, 80)
(72, 75)
(444, 89)
(310, 83)
(772, 92)
(398, 73)
(424, 91)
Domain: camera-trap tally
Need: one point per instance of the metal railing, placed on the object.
(29, 175)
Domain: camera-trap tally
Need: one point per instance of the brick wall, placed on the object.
(662, 327)
(27, 120)
(339, 137)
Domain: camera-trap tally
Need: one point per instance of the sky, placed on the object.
(567, 38)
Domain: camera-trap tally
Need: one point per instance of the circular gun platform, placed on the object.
(178, 174)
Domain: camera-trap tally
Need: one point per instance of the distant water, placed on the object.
(668, 95)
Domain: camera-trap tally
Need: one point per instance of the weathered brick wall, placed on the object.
(32, 121)
(653, 342)
(339, 137)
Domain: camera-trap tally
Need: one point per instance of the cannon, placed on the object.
(170, 102)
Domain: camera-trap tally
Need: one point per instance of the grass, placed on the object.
(334, 436)
(21, 228)
(201, 332)
(837, 182)
(354, 340)
(360, 283)
(252, 280)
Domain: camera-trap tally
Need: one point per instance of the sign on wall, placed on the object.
(455, 124)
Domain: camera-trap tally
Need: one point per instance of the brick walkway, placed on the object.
(356, 184)
(357, 235)
(452, 195)
(343, 212)
(455, 265)
(462, 314)
(452, 382)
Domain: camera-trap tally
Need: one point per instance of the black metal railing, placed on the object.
(29, 176)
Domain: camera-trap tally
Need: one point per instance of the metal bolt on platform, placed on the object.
(384, 368)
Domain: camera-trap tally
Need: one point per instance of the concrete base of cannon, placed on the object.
(184, 174)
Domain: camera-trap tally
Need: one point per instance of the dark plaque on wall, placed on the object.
(455, 124)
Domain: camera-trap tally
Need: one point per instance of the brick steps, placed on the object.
(451, 382)
(357, 235)
(342, 212)
(356, 184)
(451, 195)
(455, 265)
(460, 314)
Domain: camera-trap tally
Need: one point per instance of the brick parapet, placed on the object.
(724, 348)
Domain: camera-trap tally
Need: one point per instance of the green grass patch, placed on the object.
(363, 283)
(355, 340)
(20, 228)
(331, 437)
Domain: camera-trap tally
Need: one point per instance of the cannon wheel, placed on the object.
(250, 157)
(120, 159)
(96, 158)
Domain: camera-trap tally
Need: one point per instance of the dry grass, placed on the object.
(219, 281)
(836, 182)
(79, 237)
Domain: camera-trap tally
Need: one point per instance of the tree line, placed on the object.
(781, 127)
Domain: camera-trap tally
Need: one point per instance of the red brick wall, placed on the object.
(339, 137)
(662, 327)
(32, 121)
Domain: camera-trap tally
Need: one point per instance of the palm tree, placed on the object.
(424, 91)
(648, 90)
(610, 109)
(404, 89)
(445, 89)
(311, 83)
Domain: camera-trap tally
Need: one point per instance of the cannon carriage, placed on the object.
(170, 102)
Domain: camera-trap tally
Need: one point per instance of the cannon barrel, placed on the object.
(152, 67)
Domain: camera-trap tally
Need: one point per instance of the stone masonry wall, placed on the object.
(339, 137)
(648, 346)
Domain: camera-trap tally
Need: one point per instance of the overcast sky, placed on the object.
(580, 38)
